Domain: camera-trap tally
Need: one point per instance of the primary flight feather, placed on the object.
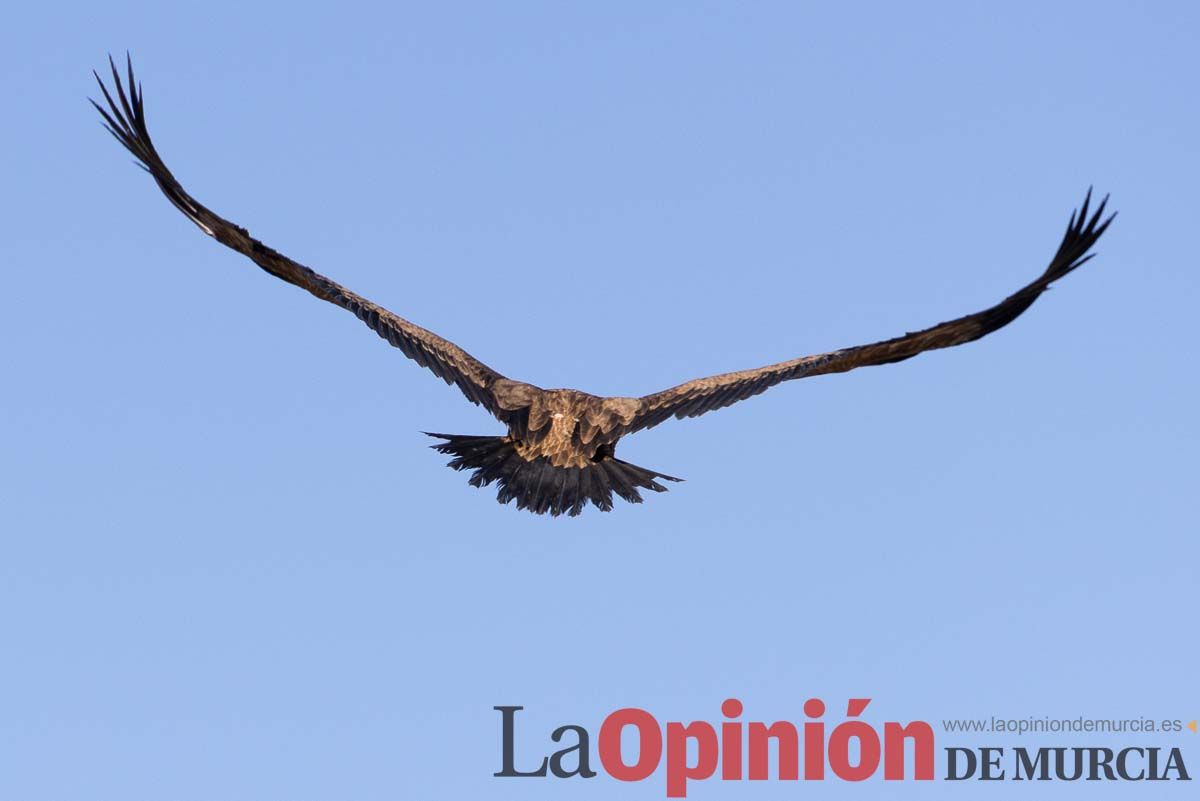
(560, 449)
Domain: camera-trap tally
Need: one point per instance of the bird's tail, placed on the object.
(541, 487)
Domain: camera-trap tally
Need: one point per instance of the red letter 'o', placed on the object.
(649, 744)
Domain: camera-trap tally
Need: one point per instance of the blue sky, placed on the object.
(230, 567)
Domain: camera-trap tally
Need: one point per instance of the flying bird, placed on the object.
(559, 452)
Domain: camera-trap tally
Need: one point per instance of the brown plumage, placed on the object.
(559, 452)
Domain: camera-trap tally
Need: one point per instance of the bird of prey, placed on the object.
(559, 452)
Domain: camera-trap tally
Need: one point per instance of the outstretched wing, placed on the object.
(706, 394)
(480, 383)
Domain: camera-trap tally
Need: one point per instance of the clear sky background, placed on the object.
(230, 567)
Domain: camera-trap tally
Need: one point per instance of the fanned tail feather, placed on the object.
(541, 487)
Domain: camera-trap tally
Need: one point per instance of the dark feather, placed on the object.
(538, 485)
(125, 120)
(706, 394)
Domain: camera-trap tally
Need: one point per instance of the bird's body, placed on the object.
(569, 427)
(559, 452)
